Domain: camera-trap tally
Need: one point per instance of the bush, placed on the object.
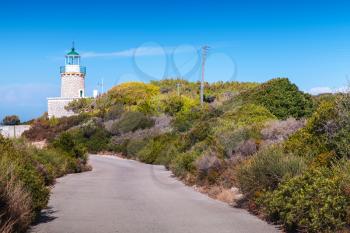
(114, 112)
(173, 104)
(53, 163)
(15, 201)
(246, 148)
(278, 131)
(339, 132)
(266, 169)
(130, 122)
(80, 105)
(24, 168)
(199, 132)
(131, 93)
(312, 202)
(282, 98)
(316, 137)
(134, 147)
(11, 120)
(151, 151)
(47, 129)
(159, 150)
(183, 164)
(229, 139)
(118, 144)
(67, 143)
(248, 115)
(184, 120)
(208, 167)
(26, 171)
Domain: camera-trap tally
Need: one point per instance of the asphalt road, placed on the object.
(130, 197)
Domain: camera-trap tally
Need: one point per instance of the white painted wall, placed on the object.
(13, 131)
(72, 68)
(56, 106)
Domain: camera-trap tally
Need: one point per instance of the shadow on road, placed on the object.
(46, 215)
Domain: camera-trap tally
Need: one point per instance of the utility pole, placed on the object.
(178, 88)
(102, 87)
(100, 84)
(205, 49)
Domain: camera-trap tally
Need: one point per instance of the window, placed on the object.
(81, 93)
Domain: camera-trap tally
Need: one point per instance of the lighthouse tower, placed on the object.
(72, 85)
(72, 76)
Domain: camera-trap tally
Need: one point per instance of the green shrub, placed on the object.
(151, 151)
(266, 170)
(98, 141)
(24, 168)
(44, 129)
(118, 144)
(80, 105)
(184, 163)
(11, 120)
(340, 138)
(130, 93)
(312, 202)
(167, 154)
(132, 121)
(134, 147)
(159, 149)
(173, 104)
(183, 121)
(54, 163)
(247, 115)
(67, 143)
(304, 144)
(15, 202)
(114, 112)
(199, 132)
(208, 167)
(282, 98)
(227, 139)
(326, 130)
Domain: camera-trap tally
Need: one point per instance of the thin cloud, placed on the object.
(324, 90)
(26, 94)
(137, 52)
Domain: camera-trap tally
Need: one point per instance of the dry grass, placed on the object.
(15, 212)
(229, 196)
(39, 144)
(226, 195)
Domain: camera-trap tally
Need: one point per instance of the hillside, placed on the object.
(285, 150)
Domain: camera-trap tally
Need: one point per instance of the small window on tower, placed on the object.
(81, 93)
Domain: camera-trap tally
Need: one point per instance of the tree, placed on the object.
(11, 120)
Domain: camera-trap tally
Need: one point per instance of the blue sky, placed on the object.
(306, 41)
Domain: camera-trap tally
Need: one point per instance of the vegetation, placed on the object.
(11, 120)
(287, 151)
(25, 174)
(282, 98)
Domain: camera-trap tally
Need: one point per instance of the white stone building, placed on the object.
(72, 85)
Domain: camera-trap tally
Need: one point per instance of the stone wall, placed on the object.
(72, 84)
(13, 131)
(56, 107)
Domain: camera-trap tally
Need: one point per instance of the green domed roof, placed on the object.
(73, 53)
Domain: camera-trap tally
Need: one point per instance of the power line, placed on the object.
(205, 49)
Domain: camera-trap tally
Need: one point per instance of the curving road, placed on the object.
(130, 197)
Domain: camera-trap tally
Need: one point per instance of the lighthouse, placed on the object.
(72, 76)
(72, 85)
